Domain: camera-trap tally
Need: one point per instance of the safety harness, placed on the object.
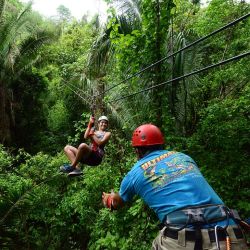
(199, 217)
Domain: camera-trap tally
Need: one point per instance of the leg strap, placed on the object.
(198, 239)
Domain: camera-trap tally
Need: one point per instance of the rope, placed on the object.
(93, 105)
(83, 92)
(88, 97)
(74, 92)
(186, 75)
(182, 49)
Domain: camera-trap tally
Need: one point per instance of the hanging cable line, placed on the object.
(88, 99)
(184, 76)
(76, 88)
(173, 54)
(83, 92)
(75, 92)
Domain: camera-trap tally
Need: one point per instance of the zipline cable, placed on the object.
(76, 88)
(184, 76)
(72, 85)
(87, 100)
(74, 91)
(180, 50)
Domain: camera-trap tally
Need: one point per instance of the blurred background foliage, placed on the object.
(53, 70)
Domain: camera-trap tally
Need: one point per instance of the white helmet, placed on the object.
(103, 117)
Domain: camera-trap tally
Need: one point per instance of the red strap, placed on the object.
(94, 146)
(110, 202)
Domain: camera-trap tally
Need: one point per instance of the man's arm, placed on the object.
(117, 200)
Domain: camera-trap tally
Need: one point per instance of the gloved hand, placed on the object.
(91, 122)
(107, 200)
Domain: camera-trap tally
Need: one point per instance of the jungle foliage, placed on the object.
(53, 70)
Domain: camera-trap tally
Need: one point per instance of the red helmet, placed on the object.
(147, 135)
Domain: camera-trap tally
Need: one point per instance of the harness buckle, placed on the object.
(195, 216)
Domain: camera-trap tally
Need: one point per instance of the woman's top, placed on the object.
(98, 148)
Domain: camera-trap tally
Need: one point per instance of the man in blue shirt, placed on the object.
(169, 182)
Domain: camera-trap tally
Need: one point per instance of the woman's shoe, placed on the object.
(75, 172)
(66, 168)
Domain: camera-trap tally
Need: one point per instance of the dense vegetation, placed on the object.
(52, 71)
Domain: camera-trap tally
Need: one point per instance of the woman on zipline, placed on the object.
(88, 154)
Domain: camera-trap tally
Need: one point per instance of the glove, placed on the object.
(91, 122)
(107, 200)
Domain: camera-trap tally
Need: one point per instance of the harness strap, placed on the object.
(208, 235)
(198, 238)
(203, 215)
(182, 238)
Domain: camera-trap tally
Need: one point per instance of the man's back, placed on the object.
(168, 181)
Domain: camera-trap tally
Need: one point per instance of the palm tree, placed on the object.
(93, 77)
(180, 100)
(132, 16)
(131, 112)
(100, 60)
(20, 40)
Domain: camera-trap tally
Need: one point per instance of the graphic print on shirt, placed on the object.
(156, 172)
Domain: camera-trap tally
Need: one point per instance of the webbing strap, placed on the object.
(196, 215)
(182, 238)
(198, 239)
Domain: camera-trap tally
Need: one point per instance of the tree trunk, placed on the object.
(173, 84)
(5, 122)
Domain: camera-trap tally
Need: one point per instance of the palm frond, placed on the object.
(126, 25)
(5, 36)
(11, 33)
(129, 112)
(12, 54)
(2, 8)
(129, 9)
(99, 55)
(32, 43)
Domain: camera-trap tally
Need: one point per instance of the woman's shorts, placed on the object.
(94, 159)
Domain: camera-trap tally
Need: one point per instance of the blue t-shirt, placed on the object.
(167, 181)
